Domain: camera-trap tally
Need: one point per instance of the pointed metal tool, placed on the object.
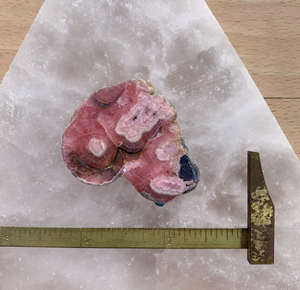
(258, 238)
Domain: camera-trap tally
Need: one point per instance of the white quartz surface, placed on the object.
(76, 47)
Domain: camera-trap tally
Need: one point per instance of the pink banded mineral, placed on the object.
(126, 130)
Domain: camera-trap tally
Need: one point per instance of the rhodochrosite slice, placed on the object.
(126, 129)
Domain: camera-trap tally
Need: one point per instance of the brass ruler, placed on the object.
(258, 238)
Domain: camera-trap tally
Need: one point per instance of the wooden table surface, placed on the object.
(265, 34)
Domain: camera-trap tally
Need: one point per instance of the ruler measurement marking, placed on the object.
(80, 233)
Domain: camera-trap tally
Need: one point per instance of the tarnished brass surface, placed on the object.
(261, 214)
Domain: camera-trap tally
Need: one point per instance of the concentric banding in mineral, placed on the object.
(143, 116)
(107, 96)
(86, 149)
(98, 147)
(167, 185)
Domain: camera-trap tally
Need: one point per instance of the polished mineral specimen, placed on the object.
(128, 130)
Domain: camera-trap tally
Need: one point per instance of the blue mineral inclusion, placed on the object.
(186, 171)
(189, 172)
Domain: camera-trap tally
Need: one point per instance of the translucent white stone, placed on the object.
(77, 47)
